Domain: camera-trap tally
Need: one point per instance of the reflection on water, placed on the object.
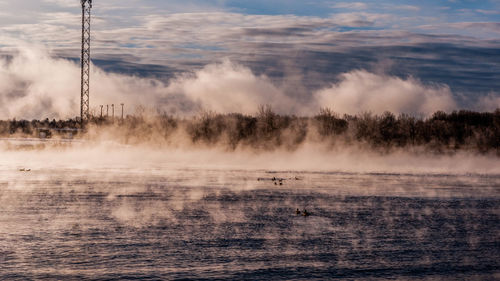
(196, 223)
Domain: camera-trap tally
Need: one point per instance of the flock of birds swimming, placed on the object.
(275, 180)
(279, 181)
(304, 213)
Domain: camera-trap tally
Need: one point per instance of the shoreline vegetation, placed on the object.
(442, 132)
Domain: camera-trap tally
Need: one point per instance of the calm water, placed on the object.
(168, 223)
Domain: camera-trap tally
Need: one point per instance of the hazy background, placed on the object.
(227, 56)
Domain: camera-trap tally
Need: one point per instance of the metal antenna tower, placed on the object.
(85, 60)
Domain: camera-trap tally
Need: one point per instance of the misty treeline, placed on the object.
(267, 130)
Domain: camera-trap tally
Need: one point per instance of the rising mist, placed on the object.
(36, 85)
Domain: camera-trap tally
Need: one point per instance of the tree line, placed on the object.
(442, 132)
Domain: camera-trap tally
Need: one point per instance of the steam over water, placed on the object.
(186, 222)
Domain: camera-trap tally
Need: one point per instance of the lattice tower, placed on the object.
(85, 60)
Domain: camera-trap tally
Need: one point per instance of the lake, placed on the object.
(178, 222)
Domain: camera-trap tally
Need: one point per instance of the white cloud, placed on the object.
(489, 102)
(488, 12)
(228, 87)
(35, 85)
(360, 91)
(64, 3)
(362, 19)
(480, 26)
(406, 8)
(351, 5)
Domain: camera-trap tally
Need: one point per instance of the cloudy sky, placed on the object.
(301, 50)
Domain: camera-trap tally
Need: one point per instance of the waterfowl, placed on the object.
(306, 213)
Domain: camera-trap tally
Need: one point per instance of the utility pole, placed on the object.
(113, 110)
(85, 61)
(101, 109)
(107, 110)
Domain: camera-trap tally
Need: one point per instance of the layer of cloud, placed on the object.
(350, 5)
(35, 85)
(361, 91)
(489, 102)
(228, 87)
(313, 47)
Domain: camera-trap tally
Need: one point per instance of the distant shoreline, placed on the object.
(440, 133)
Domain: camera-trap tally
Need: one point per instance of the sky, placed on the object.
(306, 52)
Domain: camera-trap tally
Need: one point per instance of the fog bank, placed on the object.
(34, 84)
(361, 91)
(310, 157)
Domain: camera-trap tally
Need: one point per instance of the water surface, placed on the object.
(196, 223)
